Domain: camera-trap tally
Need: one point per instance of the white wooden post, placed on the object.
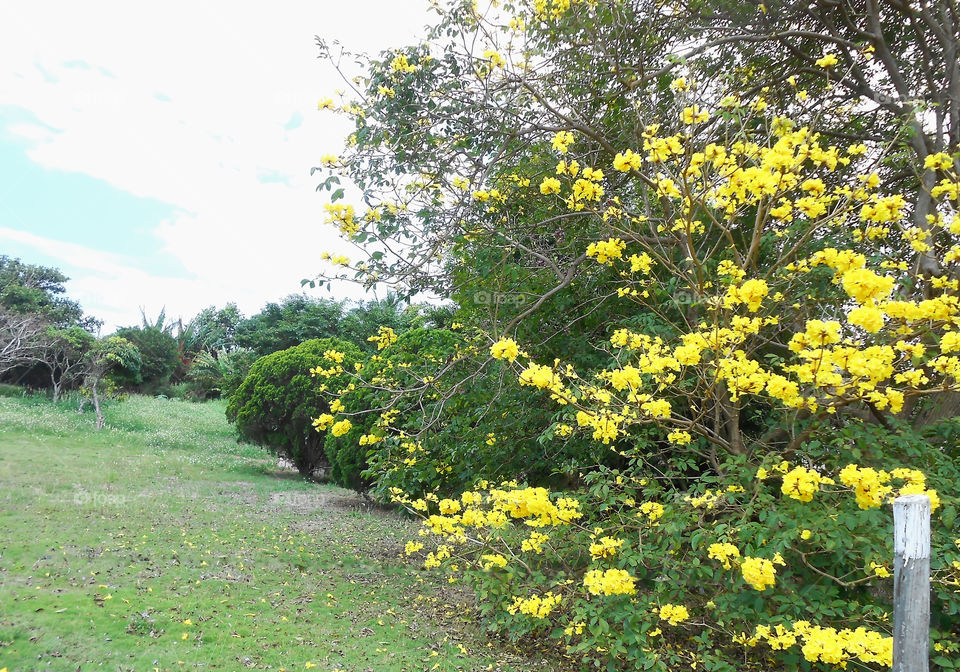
(911, 583)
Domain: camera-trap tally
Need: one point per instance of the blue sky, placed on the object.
(76, 208)
(169, 167)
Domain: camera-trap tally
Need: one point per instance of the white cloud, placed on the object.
(108, 286)
(187, 103)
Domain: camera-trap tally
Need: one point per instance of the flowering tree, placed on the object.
(728, 282)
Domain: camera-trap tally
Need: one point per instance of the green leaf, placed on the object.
(949, 515)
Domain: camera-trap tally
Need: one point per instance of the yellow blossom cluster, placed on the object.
(725, 553)
(653, 511)
(535, 505)
(609, 582)
(585, 189)
(400, 64)
(751, 293)
(760, 573)
(492, 508)
(537, 606)
(674, 614)
(562, 141)
(827, 645)
(871, 487)
(534, 543)
(550, 185)
(384, 337)
(627, 161)
(605, 547)
(341, 427)
(505, 348)
(343, 217)
(801, 483)
(606, 251)
(491, 560)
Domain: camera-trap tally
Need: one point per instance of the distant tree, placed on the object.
(43, 334)
(215, 329)
(104, 357)
(296, 319)
(39, 290)
(218, 373)
(20, 338)
(62, 353)
(159, 358)
(363, 321)
(235, 370)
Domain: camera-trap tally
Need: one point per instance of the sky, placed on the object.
(160, 155)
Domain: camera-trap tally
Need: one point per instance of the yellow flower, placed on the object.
(493, 560)
(538, 376)
(865, 286)
(868, 317)
(401, 64)
(939, 161)
(562, 140)
(674, 614)
(605, 547)
(828, 60)
(505, 348)
(950, 341)
(384, 337)
(652, 510)
(758, 572)
(341, 428)
(536, 606)
(606, 251)
(550, 185)
(752, 292)
(609, 582)
(627, 161)
(800, 484)
(725, 553)
(694, 115)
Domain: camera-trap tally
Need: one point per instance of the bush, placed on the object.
(756, 566)
(278, 400)
(421, 408)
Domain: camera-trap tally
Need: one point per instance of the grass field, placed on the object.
(160, 543)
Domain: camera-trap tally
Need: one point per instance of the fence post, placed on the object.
(911, 583)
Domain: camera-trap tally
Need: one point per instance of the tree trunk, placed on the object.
(941, 407)
(56, 385)
(96, 404)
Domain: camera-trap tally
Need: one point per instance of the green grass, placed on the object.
(160, 543)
